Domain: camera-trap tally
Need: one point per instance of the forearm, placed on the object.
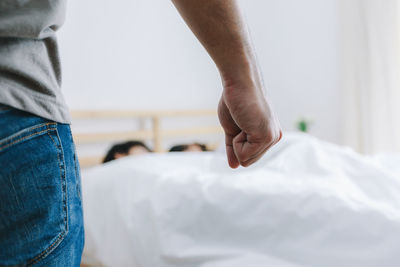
(220, 28)
(249, 123)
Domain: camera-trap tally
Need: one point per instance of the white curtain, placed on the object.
(370, 72)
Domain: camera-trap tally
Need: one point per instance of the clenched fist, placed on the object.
(250, 125)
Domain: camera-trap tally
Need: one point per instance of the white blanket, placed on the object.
(307, 203)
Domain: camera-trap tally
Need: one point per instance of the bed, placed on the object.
(307, 203)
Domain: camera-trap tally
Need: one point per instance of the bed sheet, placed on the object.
(307, 203)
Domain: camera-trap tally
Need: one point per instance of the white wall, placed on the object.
(134, 54)
(138, 54)
(298, 46)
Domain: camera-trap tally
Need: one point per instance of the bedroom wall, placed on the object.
(139, 55)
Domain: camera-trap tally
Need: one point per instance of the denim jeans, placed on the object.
(41, 220)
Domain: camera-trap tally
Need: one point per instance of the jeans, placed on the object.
(41, 220)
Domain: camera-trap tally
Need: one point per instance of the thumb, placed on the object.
(232, 160)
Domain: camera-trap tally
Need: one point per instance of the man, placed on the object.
(40, 205)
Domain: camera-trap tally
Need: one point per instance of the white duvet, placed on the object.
(307, 203)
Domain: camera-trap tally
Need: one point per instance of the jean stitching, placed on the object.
(77, 175)
(62, 165)
(77, 169)
(31, 128)
(49, 249)
(26, 137)
(65, 207)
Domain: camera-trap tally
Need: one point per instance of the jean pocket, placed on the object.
(33, 194)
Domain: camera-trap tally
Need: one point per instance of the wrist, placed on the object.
(240, 69)
(243, 76)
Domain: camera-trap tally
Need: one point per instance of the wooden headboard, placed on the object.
(155, 134)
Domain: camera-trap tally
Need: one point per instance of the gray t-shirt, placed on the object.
(30, 73)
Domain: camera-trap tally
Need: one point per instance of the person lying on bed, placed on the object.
(126, 149)
(195, 147)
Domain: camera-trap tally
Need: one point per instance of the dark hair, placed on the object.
(181, 148)
(122, 148)
(178, 148)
